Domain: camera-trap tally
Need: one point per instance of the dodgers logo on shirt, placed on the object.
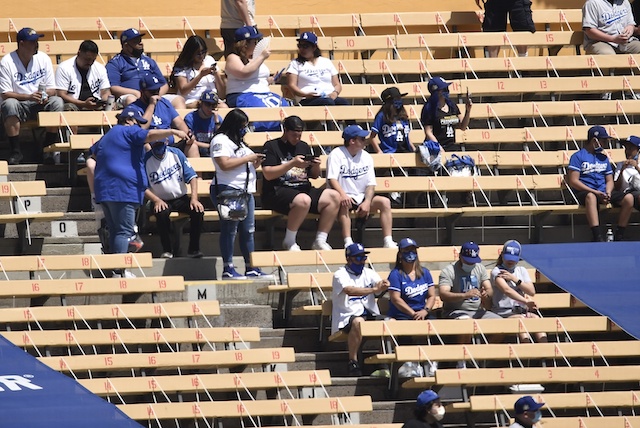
(589, 168)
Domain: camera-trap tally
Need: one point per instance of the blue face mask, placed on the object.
(159, 150)
(537, 417)
(409, 256)
(355, 268)
(398, 104)
(244, 131)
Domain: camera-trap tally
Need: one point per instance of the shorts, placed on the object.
(495, 16)
(617, 197)
(476, 315)
(367, 317)
(280, 201)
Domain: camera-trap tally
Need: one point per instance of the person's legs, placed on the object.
(120, 218)
(591, 205)
(633, 47)
(383, 204)
(355, 338)
(163, 223)
(328, 206)
(14, 112)
(298, 210)
(228, 38)
(625, 202)
(600, 48)
(521, 19)
(495, 20)
(345, 224)
(183, 205)
(247, 228)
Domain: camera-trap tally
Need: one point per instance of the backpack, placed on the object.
(430, 153)
(461, 166)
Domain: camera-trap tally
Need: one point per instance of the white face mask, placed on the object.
(439, 414)
(467, 268)
(537, 417)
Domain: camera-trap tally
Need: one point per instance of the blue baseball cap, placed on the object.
(407, 242)
(308, 36)
(632, 140)
(29, 34)
(209, 96)
(437, 83)
(511, 251)
(354, 131)
(132, 112)
(150, 82)
(354, 250)
(597, 132)
(526, 404)
(426, 397)
(130, 34)
(247, 33)
(470, 252)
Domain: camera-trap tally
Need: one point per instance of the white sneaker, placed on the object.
(433, 367)
(294, 247)
(390, 244)
(461, 365)
(317, 245)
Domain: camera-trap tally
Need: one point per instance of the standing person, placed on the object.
(168, 172)
(235, 14)
(204, 121)
(627, 176)
(120, 179)
(81, 81)
(354, 291)
(495, 20)
(440, 116)
(286, 188)
(590, 175)
(390, 130)
(513, 289)
(312, 78)
(236, 167)
(527, 412)
(609, 28)
(351, 173)
(428, 412)
(195, 72)
(21, 73)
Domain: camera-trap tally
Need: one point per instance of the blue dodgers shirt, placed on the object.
(163, 115)
(120, 174)
(414, 293)
(202, 129)
(593, 168)
(126, 71)
(392, 135)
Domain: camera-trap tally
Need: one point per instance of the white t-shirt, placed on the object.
(221, 145)
(354, 173)
(314, 77)
(14, 77)
(257, 83)
(68, 78)
(345, 306)
(503, 304)
(230, 17)
(206, 83)
(629, 175)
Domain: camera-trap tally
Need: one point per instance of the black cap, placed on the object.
(293, 123)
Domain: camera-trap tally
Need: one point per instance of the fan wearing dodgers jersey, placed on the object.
(350, 172)
(169, 171)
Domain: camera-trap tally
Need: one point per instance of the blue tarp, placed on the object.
(603, 275)
(34, 396)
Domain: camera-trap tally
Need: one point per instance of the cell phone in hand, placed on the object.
(101, 103)
(310, 158)
(277, 76)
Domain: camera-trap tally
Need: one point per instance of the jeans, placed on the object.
(229, 228)
(121, 218)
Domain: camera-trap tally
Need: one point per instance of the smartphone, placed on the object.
(276, 76)
(310, 158)
(101, 102)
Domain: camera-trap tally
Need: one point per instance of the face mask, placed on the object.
(537, 417)
(136, 53)
(439, 414)
(355, 268)
(467, 268)
(159, 150)
(599, 149)
(409, 256)
(397, 104)
(244, 131)
(635, 157)
(507, 269)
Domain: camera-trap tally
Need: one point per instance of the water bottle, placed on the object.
(473, 280)
(609, 233)
(110, 101)
(42, 88)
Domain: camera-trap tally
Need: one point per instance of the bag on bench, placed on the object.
(461, 166)
(430, 153)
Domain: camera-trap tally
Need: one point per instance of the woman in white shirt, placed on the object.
(195, 72)
(312, 78)
(235, 165)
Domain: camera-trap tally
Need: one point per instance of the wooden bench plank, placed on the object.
(565, 400)
(12, 189)
(592, 422)
(170, 360)
(75, 262)
(206, 382)
(17, 218)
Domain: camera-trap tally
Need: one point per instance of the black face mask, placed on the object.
(136, 53)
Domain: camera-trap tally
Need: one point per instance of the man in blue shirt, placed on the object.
(160, 114)
(204, 121)
(591, 177)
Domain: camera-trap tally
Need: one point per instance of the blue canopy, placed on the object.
(603, 275)
(34, 396)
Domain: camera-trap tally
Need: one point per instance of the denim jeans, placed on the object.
(229, 228)
(120, 217)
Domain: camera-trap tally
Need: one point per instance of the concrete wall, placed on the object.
(93, 8)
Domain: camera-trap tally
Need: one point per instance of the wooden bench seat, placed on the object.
(110, 312)
(592, 422)
(554, 401)
(35, 263)
(206, 382)
(170, 360)
(247, 408)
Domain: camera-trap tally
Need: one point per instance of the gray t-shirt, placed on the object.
(461, 282)
(606, 17)
(229, 16)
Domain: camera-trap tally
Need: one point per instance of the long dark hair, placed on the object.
(233, 122)
(186, 58)
(432, 104)
(390, 114)
(416, 265)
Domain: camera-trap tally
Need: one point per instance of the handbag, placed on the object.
(461, 166)
(430, 154)
(233, 204)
